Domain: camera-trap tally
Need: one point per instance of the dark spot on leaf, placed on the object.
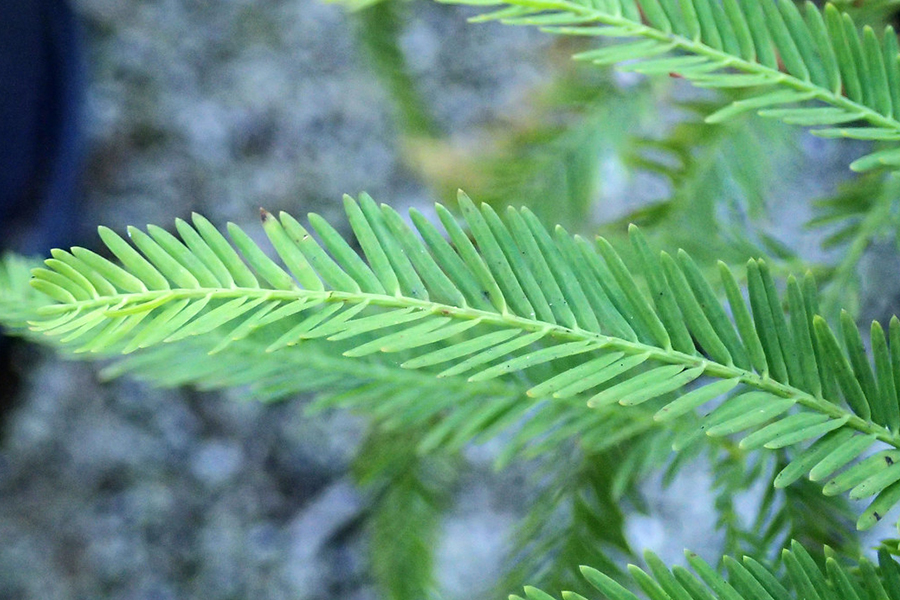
(888, 460)
(877, 516)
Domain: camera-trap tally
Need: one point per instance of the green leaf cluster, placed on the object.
(524, 301)
(807, 66)
(747, 579)
(519, 303)
(594, 358)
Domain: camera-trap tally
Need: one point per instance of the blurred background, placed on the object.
(157, 108)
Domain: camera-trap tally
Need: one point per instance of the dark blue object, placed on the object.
(41, 92)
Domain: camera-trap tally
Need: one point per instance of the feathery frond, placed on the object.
(747, 579)
(514, 300)
(549, 155)
(860, 213)
(721, 179)
(417, 418)
(808, 66)
(410, 493)
(869, 12)
(799, 511)
(378, 29)
(576, 518)
(18, 300)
